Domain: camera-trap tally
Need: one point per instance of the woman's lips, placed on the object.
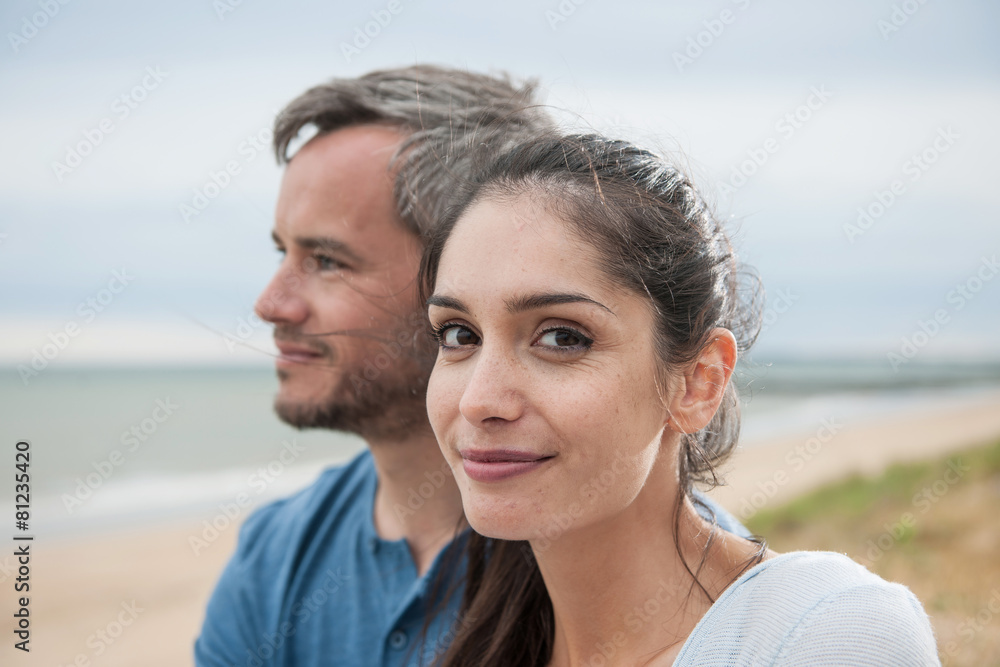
(499, 464)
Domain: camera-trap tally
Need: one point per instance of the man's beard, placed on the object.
(390, 405)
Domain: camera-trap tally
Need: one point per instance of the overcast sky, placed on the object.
(840, 103)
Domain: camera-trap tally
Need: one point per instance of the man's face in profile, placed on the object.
(343, 300)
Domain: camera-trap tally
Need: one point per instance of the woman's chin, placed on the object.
(501, 525)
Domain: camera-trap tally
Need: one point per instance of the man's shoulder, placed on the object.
(288, 548)
(335, 500)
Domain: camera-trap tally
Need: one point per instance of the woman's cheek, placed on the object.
(438, 401)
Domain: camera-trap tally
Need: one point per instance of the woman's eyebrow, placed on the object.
(451, 303)
(521, 303)
(532, 301)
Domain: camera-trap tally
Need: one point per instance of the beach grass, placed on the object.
(933, 526)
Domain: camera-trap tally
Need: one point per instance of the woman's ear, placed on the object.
(700, 390)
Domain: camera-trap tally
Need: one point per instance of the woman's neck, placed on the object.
(620, 590)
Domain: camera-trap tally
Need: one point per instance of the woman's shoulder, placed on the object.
(806, 574)
(813, 608)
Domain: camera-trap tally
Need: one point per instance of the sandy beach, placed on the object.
(762, 474)
(137, 597)
(119, 599)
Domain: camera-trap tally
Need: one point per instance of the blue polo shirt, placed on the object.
(311, 583)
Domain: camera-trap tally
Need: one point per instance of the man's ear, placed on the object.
(701, 388)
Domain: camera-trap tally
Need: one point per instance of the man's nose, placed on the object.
(282, 302)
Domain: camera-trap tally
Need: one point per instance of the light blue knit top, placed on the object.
(812, 608)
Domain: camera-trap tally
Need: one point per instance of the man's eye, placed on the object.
(454, 335)
(322, 263)
(327, 263)
(564, 338)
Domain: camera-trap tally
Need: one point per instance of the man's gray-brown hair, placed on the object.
(447, 112)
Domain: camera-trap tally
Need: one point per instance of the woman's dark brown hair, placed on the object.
(656, 236)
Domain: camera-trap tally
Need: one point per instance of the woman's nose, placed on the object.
(494, 390)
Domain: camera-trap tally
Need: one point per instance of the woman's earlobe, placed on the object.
(680, 430)
(674, 425)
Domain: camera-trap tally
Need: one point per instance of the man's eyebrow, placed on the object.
(520, 304)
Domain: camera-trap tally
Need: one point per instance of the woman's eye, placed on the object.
(457, 336)
(565, 338)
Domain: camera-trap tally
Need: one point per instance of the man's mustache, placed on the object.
(308, 341)
(315, 343)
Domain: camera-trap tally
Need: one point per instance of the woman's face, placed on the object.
(544, 396)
